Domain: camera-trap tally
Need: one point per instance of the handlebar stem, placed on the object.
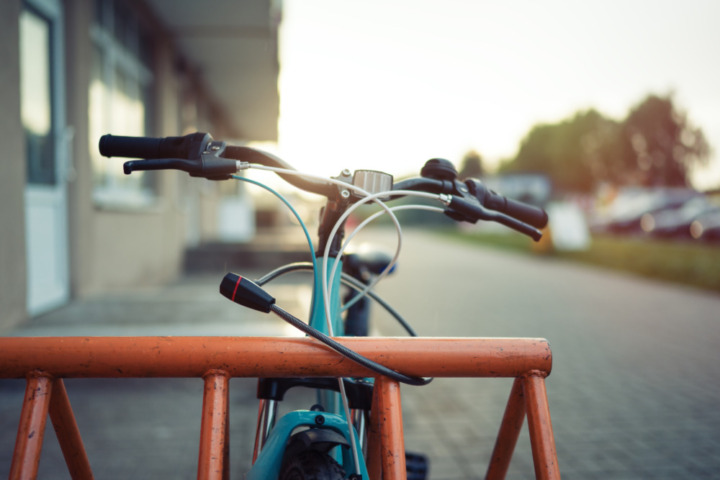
(329, 215)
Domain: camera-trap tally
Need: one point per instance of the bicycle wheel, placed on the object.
(311, 465)
(357, 319)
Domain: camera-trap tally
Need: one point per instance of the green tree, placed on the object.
(660, 145)
(576, 153)
(471, 165)
(655, 145)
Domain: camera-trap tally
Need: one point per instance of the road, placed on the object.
(635, 384)
(633, 392)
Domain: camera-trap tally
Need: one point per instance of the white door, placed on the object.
(42, 111)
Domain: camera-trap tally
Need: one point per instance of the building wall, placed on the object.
(12, 173)
(113, 247)
(110, 246)
(78, 15)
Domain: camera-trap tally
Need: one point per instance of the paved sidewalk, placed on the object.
(190, 306)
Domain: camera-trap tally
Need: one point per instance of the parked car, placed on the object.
(706, 226)
(675, 222)
(627, 211)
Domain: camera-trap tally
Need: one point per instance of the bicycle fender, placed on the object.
(268, 463)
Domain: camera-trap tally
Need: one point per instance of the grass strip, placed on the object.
(684, 262)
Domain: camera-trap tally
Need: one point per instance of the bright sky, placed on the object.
(386, 85)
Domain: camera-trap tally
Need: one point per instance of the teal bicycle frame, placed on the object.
(268, 462)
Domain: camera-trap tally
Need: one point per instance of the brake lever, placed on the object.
(469, 209)
(210, 165)
(158, 164)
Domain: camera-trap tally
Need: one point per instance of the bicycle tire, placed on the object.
(311, 465)
(357, 319)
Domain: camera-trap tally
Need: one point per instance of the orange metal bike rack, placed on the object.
(45, 361)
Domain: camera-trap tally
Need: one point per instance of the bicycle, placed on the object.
(341, 436)
(200, 155)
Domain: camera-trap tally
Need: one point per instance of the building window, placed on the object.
(120, 100)
(36, 96)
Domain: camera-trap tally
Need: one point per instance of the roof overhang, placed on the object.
(232, 46)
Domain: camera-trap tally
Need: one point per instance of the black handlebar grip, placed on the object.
(187, 147)
(469, 210)
(530, 214)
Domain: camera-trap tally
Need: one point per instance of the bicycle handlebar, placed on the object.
(535, 216)
(251, 155)
(199, 155)
(473, 201)
(187, 147)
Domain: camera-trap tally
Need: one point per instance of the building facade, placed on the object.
(71, 223)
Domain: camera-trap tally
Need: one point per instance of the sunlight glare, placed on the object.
(388, 85)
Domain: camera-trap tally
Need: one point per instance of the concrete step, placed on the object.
(266, 251)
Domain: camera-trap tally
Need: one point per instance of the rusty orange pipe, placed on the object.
(269, 357)
(67, 432)
(374, 448)
(214, 456)
(388, 416)
(509, 433)
(31, 430)
(108, 357)
(542, 439)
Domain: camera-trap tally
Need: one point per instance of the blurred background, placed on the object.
(605, 114)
